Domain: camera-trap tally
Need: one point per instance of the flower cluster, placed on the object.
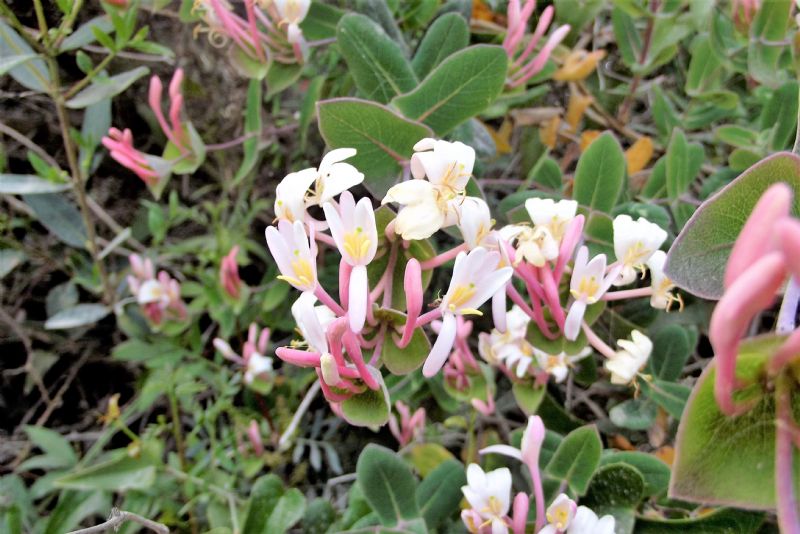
(159, 296)
(256, 365)
(490, 264)
(270, 32)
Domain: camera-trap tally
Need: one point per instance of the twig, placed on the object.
(298, 415)
(118, 517)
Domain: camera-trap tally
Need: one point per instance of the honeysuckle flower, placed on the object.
(589, 282)
(295, 254)
(557, 365)
(475, 223)
(295, 192)
(662, 297)
(120, 145)
(353, 229)
(555, 216)
(476, 277)
(489, 494)
(517, 356)
(174, 129)
(535, 245)
(312, 321)
(517, 24)
(585, 521)
(634, 243)
(292, 13)
(431, 204)
(409, 426)
(254, 434)
(158, 295)
(498, 347)
(256, 364)
(560, 515)
(229, 274)
(633, 356)
(532, 439)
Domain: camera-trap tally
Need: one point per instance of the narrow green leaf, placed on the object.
(600, 174)
(32, 73)
(9, 62)
(80, 315)
(288, 511)
(252, 127)
(106, 88)
(9, 259)
(28, 184)
(84, 35)
(462, 86)
(264, 496)
(447, 35)
(768, 29)
(60, 217)
(75, 506)
(120, 474)
(53, 444)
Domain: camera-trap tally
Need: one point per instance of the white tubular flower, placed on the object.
(475, 223)
(295, 253)
(489, 494)
(153, 291)
(294, 194)
(557, 365)
(312, 321)
(354, 230)
(530, 447)
(634, 243)
(589, 282)
(476, 277)
(292, 13)
(517, 356)
(257, 365)
(431, 204)
(587, 522)
(560, 515)
(494, 347)
(535, 245)
(662, 297)
(627, 363)
(555, 216)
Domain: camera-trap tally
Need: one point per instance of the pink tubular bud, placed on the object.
(520, 513)
(229, 274)
(254, 433)
(541, 28)
(175, 83)
(412, 283)
(751, 292)
(572, 236)
(298, 357)
(350, 341)
(758, 234)
(789, 240)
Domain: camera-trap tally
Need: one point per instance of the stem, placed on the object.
(426, 318)
(120, 516)
(538, 494)
(176, 428)
(788, 314)
(72, 91)
(595, 341)
(442, 258)
(298, 415)
(328, 301)
(625, 107)
(788, 517)
(37, 7)
(388, 275)
(628, 293)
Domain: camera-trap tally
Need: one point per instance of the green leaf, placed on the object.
(73, 507)
(664, 114)
(264, 496)
(634, 414)
(9, 62)
(669, 395)
(80, 315)
(768, 28)
(60, 217)
(655, 472)
(32, 74)
(780, 116)
(737, 136)
(615, 485)
(447, 35)
(281, 76)
(671, 349)
(318, 517)
(577, 458)
(252, 126)
(403, 361)
(683, 163)
(697, 259)
(528, 396)
(119, 474)
(84, 35)
(370, 408)
(101, 88)
(627, 36)
(388, 485)
(439, 494)
(375, 61)
(321, 21)
(9, 259)
(28, 184)
(600, 174)
(576, 13)
(705, 68)
(719, 521)
(182, 163)
(288, 511)
(462, 86)
(383, 139)
(53, 444)
(730, 460)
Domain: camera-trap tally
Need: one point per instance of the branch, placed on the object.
(120, 516)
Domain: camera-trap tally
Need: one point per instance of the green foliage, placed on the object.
(576, 458)
(388, 485)
(600, 174)
(447, 35)
(439, 493)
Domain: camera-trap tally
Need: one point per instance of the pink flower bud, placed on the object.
(254, 433)
(412, 283)
(520, 513)
(229, 274)
(789, 240)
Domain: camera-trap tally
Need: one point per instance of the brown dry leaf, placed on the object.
(578, 65)
(577, 107)
(481, 11)
(666, 454)
(587, 137)
(548, 132)
(502, 136)
(618, 441)
(639, 154)
(534, 116)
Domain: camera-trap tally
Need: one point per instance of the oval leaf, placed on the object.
(106, 88)
(577, 458)
(388, 485)
(80, 315)
(447, 35)
(600, 174)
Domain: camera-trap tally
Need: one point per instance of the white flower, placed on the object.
(517, 356)
(431, 204)
(560, 515)
(293, 195)
(555, 216)
(353, 228)
(535, 245)
(662, 297)
(476, 277)
(557, 365)
(257, 365)
(589, 282)
(634, 243)
(627, 362)
(292, 13)
(586, 522)
(489, 494)
(152, 291)
(475, 222)
(295, 254)
(530, 447)
(312, 321)
(509, 347)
